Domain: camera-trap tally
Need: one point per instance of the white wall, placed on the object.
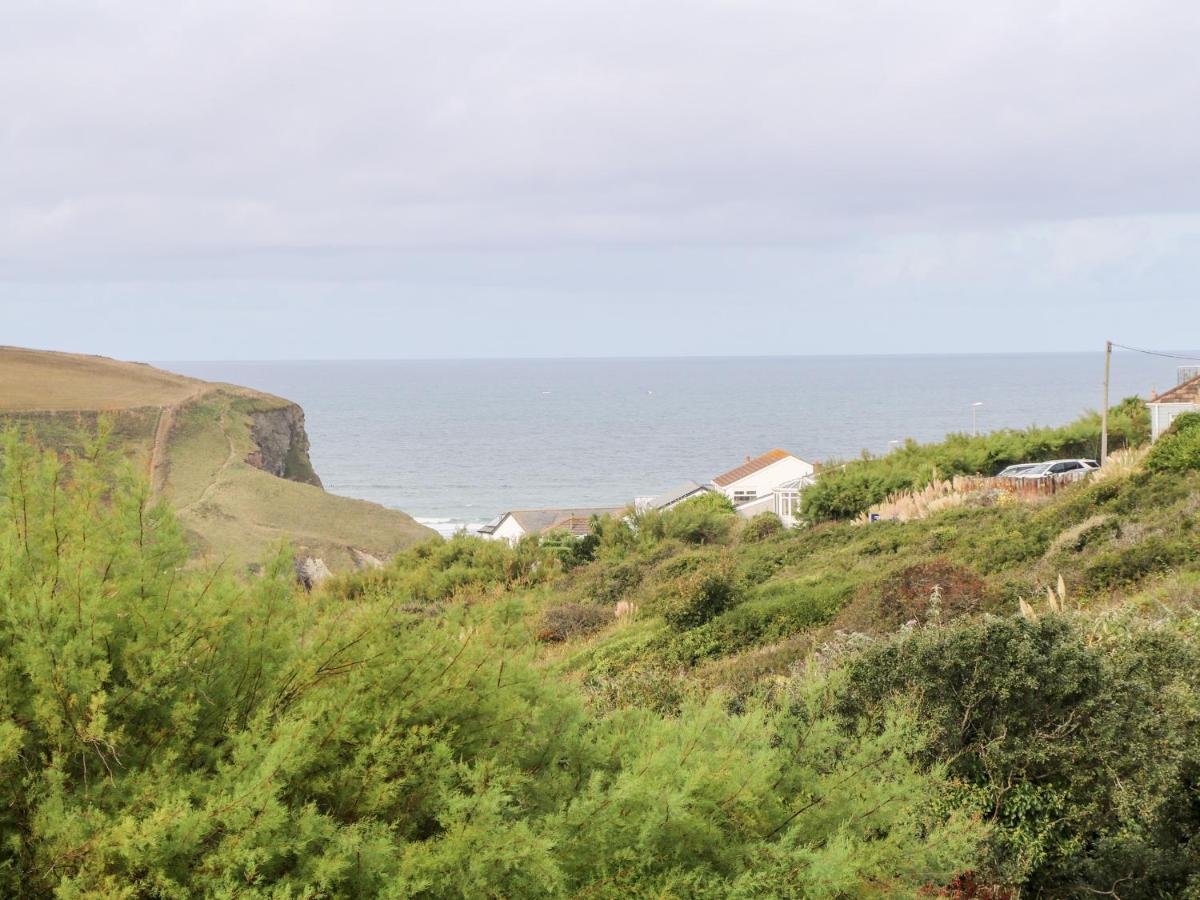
(1163, 414)
(508, 530)
(766, 479)
(761, 505)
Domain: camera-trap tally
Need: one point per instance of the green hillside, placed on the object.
(233, 461)
(996, 699)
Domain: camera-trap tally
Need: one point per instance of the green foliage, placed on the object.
(847, 491)
(168, 731)
(705, 519)
(1079, 751)
(568, 549)
(1179, 449)
(761, 527)
(696, 597)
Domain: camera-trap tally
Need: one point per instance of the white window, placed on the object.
(740, 497)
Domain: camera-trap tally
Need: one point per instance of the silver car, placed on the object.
(1064, 469)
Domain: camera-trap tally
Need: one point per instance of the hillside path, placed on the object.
(230, 459)
(162, 435)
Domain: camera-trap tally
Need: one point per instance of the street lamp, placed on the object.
(974, 411)
(892, 445)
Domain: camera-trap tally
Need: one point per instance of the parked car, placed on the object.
(1066, 469)
(1014, 471)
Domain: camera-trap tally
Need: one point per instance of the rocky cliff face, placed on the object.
(282, 444)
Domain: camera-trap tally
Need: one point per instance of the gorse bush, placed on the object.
(168, 731)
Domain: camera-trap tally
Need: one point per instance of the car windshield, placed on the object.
(1039, 469)
(1013, 470)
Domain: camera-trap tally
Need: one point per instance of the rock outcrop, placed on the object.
(311, 571)
(282, 444)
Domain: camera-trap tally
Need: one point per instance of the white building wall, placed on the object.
(766, 479)
(508, 530)
(761, 505)
(1163, 414)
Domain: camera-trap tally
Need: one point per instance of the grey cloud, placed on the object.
(133, 132)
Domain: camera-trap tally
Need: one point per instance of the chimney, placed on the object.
(747, 457)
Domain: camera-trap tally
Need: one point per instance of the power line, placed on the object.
(1157, 353)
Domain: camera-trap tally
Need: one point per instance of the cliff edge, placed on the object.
(233, 461)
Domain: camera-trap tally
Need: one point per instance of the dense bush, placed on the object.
(761, 527)
(568, 620)
(705, 519)
(696, 597)
(1179, 449)
(847, 491)
(1082, 753)
(166, 731)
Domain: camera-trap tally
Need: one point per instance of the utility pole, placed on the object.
(1104, 411)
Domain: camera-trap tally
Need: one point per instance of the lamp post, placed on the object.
(974, 421)
(892, 445)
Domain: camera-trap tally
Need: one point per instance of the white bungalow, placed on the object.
(1184, 397)
(517, 523)
(768, 483)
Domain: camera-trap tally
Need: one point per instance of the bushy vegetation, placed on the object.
(998, 700)
(1179, 449)
(849, 490)
(170, 731)
(1079, 745)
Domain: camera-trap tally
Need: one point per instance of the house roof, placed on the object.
(677, 493)
(533, 521)
(490, 527)
(750, 466)
(579, 526)
(1188, 392)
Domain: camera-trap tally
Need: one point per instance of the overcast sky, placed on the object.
(347, 179)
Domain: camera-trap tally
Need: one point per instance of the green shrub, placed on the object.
(705, 519)
(611, 582)
(761, 527)
(1078, 752)
(1179, 449)
(1127, 565)
(696, 598)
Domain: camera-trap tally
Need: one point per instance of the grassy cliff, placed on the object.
(233, 461)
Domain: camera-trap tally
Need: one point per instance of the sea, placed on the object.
(456, 442)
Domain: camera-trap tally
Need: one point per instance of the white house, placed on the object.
(1184, 397)
(756, 480)
(517, 523)
(673, 497)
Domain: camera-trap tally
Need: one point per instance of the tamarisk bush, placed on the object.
(169, 730)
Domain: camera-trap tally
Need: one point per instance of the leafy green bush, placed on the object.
(761, 527)
(705, 519)
(1077, 751)
(1179, 449)
(695, 598)
(1127, 565)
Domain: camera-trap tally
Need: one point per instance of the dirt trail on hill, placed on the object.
(162, 434)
